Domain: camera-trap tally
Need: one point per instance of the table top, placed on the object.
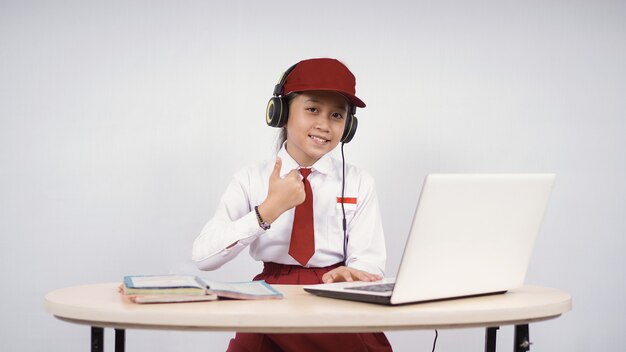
(102, 305)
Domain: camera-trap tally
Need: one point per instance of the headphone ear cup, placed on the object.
(350, 129)
(276, 112)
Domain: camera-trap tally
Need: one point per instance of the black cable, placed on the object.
(343, 186)
(435, 341)
(343, 210)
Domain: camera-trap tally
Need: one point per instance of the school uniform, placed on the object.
(235, 227)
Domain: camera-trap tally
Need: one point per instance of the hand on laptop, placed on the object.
(344, 273)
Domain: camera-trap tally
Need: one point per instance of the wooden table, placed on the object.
(101, 306)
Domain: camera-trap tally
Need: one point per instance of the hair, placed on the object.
(282, 135)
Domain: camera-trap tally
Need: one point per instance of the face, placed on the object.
(315, 125)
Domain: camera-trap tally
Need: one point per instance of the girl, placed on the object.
(306, 216)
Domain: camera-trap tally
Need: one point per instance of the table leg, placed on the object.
(490, 339)
(120, 340)
(97, 339)
(521, 339)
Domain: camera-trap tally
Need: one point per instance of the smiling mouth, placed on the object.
(318, 140)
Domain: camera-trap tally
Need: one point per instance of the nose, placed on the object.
(323, 123)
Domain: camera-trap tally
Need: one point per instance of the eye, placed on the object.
(312, 109)
(337, 116)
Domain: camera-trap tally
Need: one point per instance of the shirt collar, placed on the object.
(323, 165)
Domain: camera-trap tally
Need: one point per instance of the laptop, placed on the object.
(472, 235)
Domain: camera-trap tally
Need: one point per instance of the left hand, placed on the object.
(344, 273)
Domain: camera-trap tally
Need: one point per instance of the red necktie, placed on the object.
(302, 245)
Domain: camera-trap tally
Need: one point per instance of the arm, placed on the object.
(233, 227)
(366, 239)
(235, 223)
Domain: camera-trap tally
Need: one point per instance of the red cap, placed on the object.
(323, 74)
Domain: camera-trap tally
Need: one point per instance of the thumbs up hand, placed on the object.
(283, 193)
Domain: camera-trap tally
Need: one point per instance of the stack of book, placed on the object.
(189, 288)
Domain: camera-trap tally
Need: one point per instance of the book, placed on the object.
(163, 285)
(243, 290)
(189, 288)
(143, 299)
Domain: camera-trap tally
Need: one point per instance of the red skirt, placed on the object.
(296, 275)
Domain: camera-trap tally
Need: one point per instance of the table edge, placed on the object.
(296, 329)
(556, 310)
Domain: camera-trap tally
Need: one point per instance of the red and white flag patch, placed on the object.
(348, 202)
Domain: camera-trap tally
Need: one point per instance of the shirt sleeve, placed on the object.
(233, 227)
(366, 240)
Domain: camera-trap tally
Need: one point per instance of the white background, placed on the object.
(123, 121)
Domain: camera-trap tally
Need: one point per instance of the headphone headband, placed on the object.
(278, 88)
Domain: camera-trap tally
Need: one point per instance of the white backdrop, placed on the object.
(123, 122)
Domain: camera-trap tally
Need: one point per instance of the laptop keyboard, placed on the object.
(373, 288)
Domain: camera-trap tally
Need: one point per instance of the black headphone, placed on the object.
(277, 110)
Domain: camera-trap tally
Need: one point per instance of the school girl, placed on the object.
(305, 215)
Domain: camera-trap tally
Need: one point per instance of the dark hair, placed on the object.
(282, 135)
(281, 138)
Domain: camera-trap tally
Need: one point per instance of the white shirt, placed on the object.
(235, 221)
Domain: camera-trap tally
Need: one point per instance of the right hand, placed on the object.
(282, 194)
